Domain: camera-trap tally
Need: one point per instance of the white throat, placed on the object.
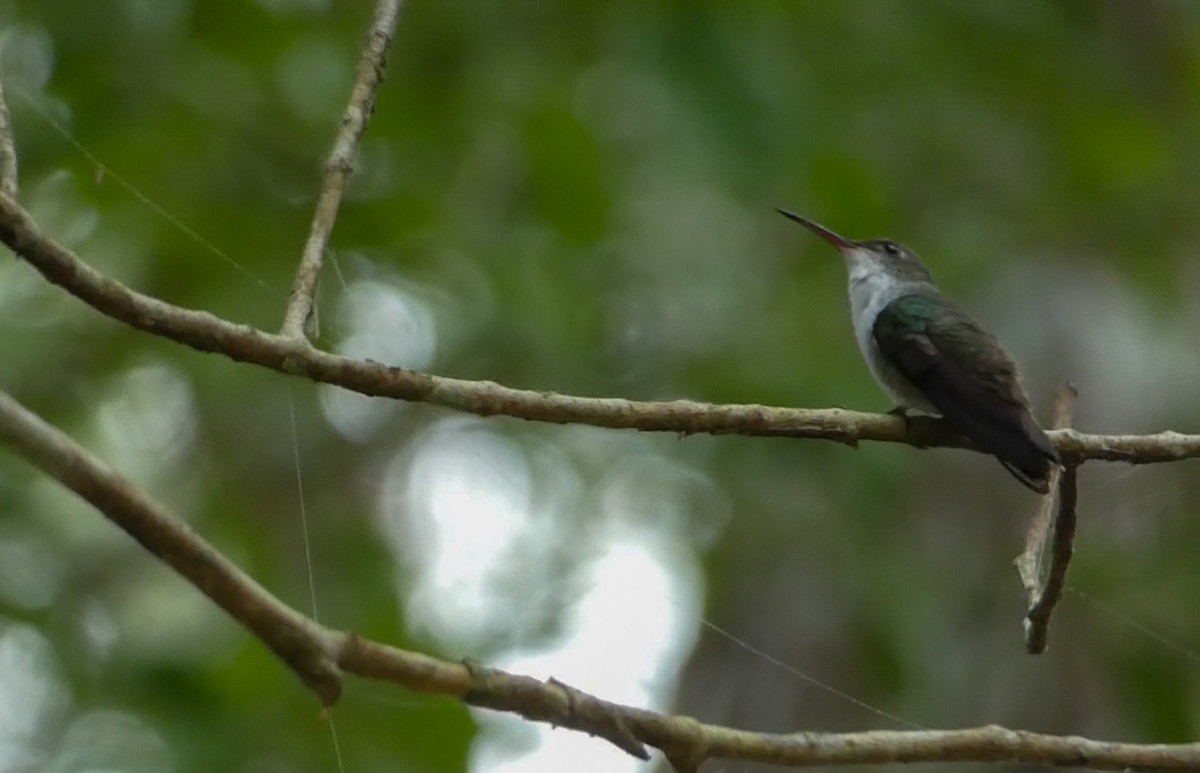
(872, 288)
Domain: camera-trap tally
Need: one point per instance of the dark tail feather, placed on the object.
(1045, 455)
(1039, 482)
(1010, 433)
(1028, 455)
(1022, 448)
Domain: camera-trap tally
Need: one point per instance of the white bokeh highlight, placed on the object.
(387, 323)
(493, 536)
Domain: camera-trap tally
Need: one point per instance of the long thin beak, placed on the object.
(836, 240)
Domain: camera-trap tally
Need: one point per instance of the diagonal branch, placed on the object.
(320, 656)
(367, 77)
(1041, 597)
(209, 333)
(298, 641)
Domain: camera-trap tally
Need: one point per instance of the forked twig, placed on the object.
(367, 77)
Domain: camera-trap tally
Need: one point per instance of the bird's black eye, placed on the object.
(891, 249)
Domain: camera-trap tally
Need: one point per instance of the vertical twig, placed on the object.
(1037, 620)
(1042, 596)
(8, 151)
(340, 165)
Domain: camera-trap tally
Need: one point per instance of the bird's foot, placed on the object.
(915, 423)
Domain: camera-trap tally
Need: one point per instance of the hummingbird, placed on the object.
(931, 356)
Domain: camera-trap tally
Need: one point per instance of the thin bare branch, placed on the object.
(320, 655)
(1041, 597)
(209, 333)
(8, 151)
(1037, 620)
(340, 165)
(687, 742)
(294, 638)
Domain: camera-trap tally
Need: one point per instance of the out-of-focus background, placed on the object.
(579, 197)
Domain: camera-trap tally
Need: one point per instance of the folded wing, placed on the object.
(965, 373)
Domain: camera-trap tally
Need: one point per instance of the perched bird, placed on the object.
(930, 355)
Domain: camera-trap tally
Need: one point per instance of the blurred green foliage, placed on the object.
(582, 193)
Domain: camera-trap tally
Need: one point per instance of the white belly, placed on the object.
(870, 292)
